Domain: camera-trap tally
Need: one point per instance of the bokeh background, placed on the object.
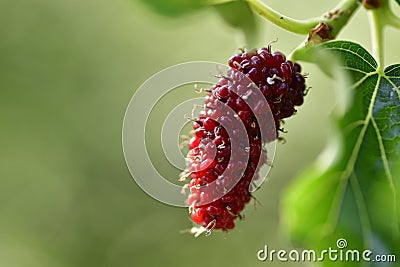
(67, 72)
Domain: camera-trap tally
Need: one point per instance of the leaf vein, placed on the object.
(362, 209)
(387, 171)
(354, 53)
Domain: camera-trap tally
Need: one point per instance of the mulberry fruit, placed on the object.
(243, 111)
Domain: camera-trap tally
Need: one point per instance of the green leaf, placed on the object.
(174, 8)
(238, 14)
(398, 2)
(352, 191)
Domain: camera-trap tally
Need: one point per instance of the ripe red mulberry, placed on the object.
(243, 111)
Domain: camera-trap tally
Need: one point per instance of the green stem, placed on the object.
(386, 13)
(379, 18)
(393, 20)
(345, 10)
(302, 52)
(335, 19)
(377, 26)
(285, 22)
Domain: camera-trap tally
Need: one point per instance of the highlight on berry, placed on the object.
(242, 112)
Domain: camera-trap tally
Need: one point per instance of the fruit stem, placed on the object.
(334, 19)
(338, 17)
(327, 29)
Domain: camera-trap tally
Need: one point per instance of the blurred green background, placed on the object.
(67, 72)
